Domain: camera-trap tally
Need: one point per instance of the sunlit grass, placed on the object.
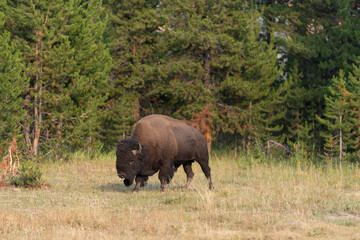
(251, 200)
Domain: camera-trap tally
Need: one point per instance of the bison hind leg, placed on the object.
(204, 164)
(189, 173)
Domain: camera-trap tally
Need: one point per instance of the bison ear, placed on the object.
(138, 152)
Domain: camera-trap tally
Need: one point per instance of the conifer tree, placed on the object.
(330, 147)
(338, 116)
(67, 64)
(205, 59)
(133, 34)
(191, 42)
(316, 38)
(299, 123)
(353, 84)
(13, 84)
(252, 90)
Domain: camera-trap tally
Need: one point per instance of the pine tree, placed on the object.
(299, 123)
(337, 116)
(133, 34)
(67, 64)
(191, 42)
(204, 59)
(353, 84)
(316, 38)
(330, 147)
(13, 84)
(251, 89)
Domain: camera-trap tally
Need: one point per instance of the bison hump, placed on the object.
(155, 133)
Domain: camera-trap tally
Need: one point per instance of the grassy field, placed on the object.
(86, 200)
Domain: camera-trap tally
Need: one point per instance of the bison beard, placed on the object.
(160, 143)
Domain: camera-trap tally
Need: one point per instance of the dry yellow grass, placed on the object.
(87, 201)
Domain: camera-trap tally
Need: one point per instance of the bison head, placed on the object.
(129, 156)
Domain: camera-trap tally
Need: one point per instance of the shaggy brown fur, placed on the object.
(161, 143)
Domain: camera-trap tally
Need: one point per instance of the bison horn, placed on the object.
(137, 152)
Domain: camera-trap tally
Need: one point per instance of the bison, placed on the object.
(161, 143)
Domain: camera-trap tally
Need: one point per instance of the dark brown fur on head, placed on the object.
(129, 155)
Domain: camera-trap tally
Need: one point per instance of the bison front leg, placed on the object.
(137, 185)
(166, 173)
(140, 182)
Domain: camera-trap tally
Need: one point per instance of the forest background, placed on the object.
(76, 75)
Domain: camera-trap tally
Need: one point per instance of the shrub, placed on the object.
(29, 176)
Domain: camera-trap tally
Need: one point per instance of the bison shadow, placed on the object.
(120, 187)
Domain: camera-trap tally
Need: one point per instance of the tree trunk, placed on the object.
(26, 126)
(341, 146)
(235, 149)
(249, 130)
(37, 97)
(36, 134)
